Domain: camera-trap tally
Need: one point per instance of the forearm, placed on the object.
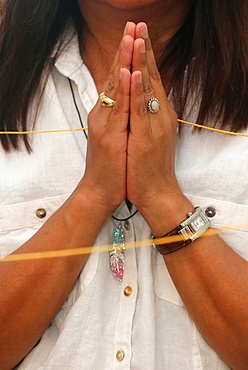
(33, 291)
(212, 281)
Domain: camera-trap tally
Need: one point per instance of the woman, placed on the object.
(87, 308)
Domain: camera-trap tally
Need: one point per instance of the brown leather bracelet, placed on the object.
(170, 247)
(189, 230)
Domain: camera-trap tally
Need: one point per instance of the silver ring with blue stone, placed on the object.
(153, 105)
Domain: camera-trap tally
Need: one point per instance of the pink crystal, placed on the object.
(117, 267)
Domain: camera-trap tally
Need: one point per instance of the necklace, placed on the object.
(117, 249)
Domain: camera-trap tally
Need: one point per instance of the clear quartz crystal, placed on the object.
(116, 253)
(154, 105)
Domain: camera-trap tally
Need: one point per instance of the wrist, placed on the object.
(167, 211)
(183, 234)
(87, 203)
(97, 199)
(83, 219)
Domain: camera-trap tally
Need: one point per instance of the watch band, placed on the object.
(189, 230)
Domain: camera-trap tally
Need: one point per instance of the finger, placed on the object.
(155, 118)
(155, 78)
(139, 120)
(140, 62)
(130, 29)
(123, 60)
(119, 116)
(153, 86)
(154, 75)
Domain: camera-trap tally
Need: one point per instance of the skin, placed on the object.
(210, 277)
(162, 17)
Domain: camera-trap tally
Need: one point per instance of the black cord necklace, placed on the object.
(86, 136)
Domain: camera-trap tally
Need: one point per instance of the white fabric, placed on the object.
(152, 326)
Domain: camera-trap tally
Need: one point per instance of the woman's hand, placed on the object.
(105, 175)
(151, 142)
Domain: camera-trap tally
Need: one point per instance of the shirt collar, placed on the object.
(69, 60)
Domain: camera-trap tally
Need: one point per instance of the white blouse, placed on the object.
(141, 322)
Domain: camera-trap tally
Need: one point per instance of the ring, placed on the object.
(153, 105)
(106, 101)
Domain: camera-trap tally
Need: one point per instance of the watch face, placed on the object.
(197, 224)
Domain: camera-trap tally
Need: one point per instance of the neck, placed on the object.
(105, 21)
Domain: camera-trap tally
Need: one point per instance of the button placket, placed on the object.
(127, 306)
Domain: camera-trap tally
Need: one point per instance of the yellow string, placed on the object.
(105, 248)
(213, 129)
(86, 128)
(41, 131)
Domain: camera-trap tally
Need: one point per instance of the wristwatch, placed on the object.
(188, 231)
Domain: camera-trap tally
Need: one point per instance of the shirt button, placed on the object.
(120, 355)
(128, 291)
(127, 225)
(210, 212)
(41, 213)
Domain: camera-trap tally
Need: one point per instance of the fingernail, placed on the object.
(142, 46)
(125, 29)
(144, 32)
(121, 73)
(122, 43)
(139, 77)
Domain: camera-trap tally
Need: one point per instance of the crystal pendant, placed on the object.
(116, 253)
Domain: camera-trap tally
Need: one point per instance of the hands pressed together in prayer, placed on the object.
(130, 150)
